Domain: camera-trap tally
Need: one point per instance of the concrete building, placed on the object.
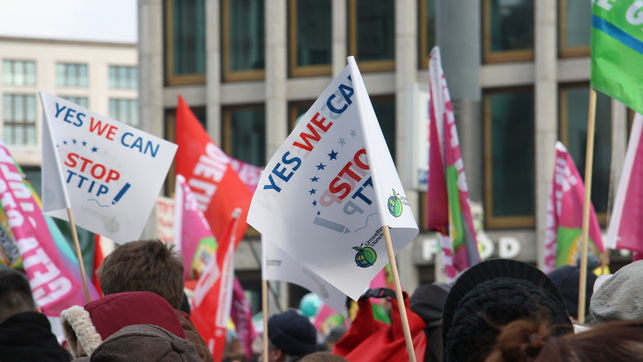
(518, 73)
(97, 75)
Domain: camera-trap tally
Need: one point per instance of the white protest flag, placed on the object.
(279, 265)
(111, 172)
(331, 186)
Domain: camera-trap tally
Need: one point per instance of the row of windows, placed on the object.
(508, 35)
(19, 115)
(23, 73)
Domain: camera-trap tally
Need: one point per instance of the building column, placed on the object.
(150, 69)
(339, 41)
(276, 75)
(546, 113)
(213, 69)
(619, 147)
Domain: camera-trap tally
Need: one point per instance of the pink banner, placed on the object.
(241, 314)
(53, 286)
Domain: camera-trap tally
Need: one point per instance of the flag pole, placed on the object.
(589, 157)
(398, 295)
(264, 311)
(79, 255)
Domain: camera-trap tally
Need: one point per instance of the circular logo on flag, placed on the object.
(365, 257)
(394, 205)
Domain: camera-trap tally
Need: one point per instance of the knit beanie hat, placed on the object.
(619, 297)
(292, 333)
(566, 279)
(144, 342)
(491, 294)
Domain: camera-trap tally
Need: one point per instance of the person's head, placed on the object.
(291, 336)
(533, 340)
(619, 297)
(490, 295)
(233, 351)
(145, 265)
(566, 279)
(335, 335)
(322, 357)
(15, 294)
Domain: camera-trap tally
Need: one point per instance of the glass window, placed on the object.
(372, 33)
(71, 75)
(297, 110)
(80, 100)
(509, 158)
(122, 77)
(573, 133)
(243, 40)
(19, 72)
(245, 134)
(185, 41)
(574, 28)
(310, 37)
(385, 112)
(428, 26)
(19, 119)
(124, 110)
(508, 30)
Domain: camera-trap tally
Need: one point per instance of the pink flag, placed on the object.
(52, 282)
(249, 174)
(448, 210)
(192, 232)
(626, 229)
(241, 314)
(565, 216)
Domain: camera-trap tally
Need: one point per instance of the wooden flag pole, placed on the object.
(398, 294)
(589, 157)
(264, 311)
(79, 255)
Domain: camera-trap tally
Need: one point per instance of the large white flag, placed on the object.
(331, 186)
(279, 265)
(111, 172)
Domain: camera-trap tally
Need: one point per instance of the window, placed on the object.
(310, 37)
(574, 28)
(297, 110)
(428, 24)
(124, 110)
(19, 117)
(243, 40)
(123, 77)
(372, 34)
(244, 134)
(71, 75)
(19, 72)
(385, 111)
(574, 106)
(34, 177)
(184, 42)
(81, 101)
(508, 30)
(509, 158)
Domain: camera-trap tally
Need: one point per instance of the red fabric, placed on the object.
(98, 260)
(372, 340)
(115, 311)
(215, 184)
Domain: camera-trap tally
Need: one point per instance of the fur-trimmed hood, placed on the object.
(79, 329)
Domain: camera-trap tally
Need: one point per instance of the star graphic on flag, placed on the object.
(353, 133)
(73, 140)
(321, 166)
(64, 142)
(314, 179)
(314, 202)
(94, 149)
(312, 191)
(332, 155)
(342, 141)
(318, 212)
(84, 143)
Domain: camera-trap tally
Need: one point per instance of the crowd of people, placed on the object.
(497, 310)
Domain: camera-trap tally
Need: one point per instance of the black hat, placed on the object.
(292, 333)
(428, 302)
(491, 294)
(566, 279)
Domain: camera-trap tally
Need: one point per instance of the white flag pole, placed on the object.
(398, 295)
(264, 311)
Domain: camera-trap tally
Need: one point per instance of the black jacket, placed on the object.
(27, 337)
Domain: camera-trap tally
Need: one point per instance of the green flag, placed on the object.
(617, 50)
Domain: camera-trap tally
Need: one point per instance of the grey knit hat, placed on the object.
(621, 296)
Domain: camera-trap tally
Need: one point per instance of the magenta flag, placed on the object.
(241, 314)
(563, 236)
(448, 210)
(626, 229)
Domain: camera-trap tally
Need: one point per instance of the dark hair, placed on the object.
(322, 357)
(532, 340)
(144, 265)
(15, 294)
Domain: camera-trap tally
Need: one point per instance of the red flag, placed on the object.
(241, 313)
(206, 168)
(213, 293)
(98, 260)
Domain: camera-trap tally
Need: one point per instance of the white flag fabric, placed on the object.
(331, 186)
(112, 172)
(279, 265)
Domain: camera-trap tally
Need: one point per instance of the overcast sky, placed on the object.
(97, 20)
